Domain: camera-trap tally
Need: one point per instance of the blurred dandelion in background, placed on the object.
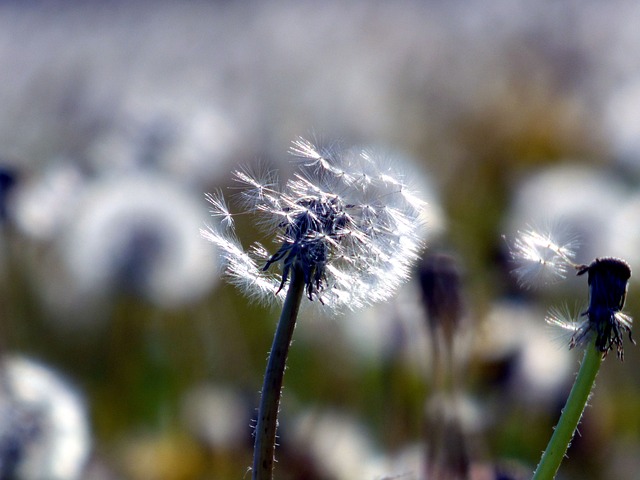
(44, 431)
(621, 124)
(534, 369)
(624, 235)
(351, 222)
(188, 141)
(218, 416)
(441, 283)
(44, 203)
(134, 234)
(338, 446)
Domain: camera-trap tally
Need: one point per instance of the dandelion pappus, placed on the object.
(346, 219)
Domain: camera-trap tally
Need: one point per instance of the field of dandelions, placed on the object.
(124, 354)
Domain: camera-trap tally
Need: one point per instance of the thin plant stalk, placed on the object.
(265, 433)
(566, 427)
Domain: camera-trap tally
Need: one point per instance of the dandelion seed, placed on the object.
(302, 148)
(541, 258)
(353, 226)
(219, 208)
(312, 157)
(576, 328)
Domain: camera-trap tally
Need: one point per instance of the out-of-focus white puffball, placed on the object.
(625, 231)
(139, 234)
(542, 362)
(622, 124)
(44, 432)
(340, 446)
(218, 416)
(44, 203)
(192, 143)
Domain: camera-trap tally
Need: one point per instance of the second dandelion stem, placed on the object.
(265, 433)
(564, 431)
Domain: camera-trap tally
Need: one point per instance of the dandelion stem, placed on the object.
(566, 427)
(265, 433)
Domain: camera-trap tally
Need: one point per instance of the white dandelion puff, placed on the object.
(352, 224)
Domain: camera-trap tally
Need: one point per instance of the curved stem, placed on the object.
(265, 433)
(563, 433)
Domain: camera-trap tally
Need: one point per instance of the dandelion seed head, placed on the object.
(351, 224)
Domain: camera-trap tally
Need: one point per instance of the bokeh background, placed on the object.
(125, 356)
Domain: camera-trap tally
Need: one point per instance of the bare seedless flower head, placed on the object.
(540, 255)
(346, 219)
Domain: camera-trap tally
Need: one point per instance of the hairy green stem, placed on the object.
(265, 433)
(563, 433)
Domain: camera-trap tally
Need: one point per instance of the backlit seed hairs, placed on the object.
(347, 219)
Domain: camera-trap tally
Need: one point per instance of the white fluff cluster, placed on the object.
(541, 258)
(346, 219)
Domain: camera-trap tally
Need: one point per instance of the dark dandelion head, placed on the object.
(608, 280)
(441, 283)
(8, 179)
(309, 233)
